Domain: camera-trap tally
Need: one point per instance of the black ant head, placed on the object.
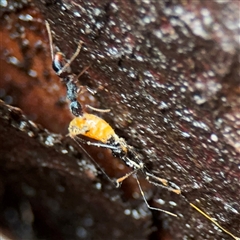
(58, 63)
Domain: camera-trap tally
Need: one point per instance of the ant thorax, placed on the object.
(125, 152)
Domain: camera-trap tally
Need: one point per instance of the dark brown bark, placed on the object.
(170, 75)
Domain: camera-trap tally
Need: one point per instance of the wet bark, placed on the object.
(170, 75)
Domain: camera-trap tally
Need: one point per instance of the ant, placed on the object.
(94, 127)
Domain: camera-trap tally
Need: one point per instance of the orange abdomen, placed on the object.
(91, 126)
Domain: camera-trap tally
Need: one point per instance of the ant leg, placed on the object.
(132, 164)
(121, 179)
(92, 92)
(72, 58)
(174, 188)
(178, 191)
(127, 161)
(92, 160)
(98, 109)
(50, 38)
(152, 208)
(213, 221)
(115, 149)
(83, 71)
(102, 145)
